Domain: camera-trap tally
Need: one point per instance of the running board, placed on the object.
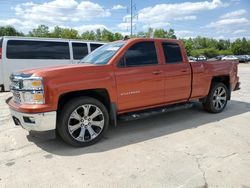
(155, 111)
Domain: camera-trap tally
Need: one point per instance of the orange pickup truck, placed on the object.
(127, 79)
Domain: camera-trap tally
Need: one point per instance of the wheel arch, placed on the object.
(100, 94)
(225, 79)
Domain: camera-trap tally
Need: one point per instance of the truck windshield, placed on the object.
(103, 54)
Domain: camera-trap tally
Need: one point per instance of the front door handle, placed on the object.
(157, 72)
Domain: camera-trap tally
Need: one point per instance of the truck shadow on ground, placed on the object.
(131, 132)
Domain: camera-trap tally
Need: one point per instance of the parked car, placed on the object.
(230, 57)
(219, 57)
(17, 53)
(121, 79)
(248, 57)
(243, 58)
(201, 58)
(192, 59)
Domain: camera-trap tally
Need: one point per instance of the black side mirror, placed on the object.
(122, 62)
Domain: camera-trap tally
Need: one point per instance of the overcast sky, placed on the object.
(189, 18)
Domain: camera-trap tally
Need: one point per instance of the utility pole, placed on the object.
(132, 14)
(131, 18)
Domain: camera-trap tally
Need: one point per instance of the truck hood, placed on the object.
(63, 70)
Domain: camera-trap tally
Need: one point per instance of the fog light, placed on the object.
(29, 119)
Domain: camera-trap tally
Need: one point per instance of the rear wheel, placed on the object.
(216, 100)
(83, 121)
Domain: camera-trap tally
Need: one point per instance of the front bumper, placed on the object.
(35, 122)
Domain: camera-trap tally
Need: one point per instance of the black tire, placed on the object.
(64, 118)
(209, 105)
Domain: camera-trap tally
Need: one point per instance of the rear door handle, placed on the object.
(157, 72)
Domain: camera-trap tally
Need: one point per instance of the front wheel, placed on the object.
(82, 121)
(216, 100)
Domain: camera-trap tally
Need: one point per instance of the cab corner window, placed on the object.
(172, 52)
(140, 54)
(80, 50)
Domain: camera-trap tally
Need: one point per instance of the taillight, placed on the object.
(0, 53)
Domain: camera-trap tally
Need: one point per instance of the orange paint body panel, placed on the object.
(132, 88)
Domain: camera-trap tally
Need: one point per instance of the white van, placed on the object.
(18, 53)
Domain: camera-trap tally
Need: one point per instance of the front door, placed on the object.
(139, 77)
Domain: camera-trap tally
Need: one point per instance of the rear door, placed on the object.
(177, 73)
(139, 78)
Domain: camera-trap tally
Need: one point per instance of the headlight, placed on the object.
(32, 84)
(33, 97)
(28, 90)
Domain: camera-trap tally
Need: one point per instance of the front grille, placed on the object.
(17, 97)
(15, 84)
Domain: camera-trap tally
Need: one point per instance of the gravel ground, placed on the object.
(187, 148)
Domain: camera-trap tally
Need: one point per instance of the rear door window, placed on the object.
(28, 49)
(93, 46)
(80, 50)
(172, 52)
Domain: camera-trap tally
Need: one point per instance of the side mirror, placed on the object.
(122, 62)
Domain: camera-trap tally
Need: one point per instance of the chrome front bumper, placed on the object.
(35, 122)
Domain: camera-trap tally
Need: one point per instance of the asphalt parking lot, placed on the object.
(187, 148)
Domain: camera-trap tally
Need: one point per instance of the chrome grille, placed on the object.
(15, 84)
(17, 97)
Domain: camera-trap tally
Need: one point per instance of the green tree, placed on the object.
(118, 36)
(106, 35)
(188, 46)
(248, 44)
(171, 34)
(159, 33)
(70, 34)
(239, 47)
(98, 35)
(57, 32)
(88, 35)
(9, 31)
(40, 31)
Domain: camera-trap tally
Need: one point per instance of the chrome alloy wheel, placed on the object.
(85, 123)
(219, 98)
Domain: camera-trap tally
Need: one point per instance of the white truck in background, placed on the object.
(18, 53)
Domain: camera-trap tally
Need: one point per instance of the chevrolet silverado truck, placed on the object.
(126, 79)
